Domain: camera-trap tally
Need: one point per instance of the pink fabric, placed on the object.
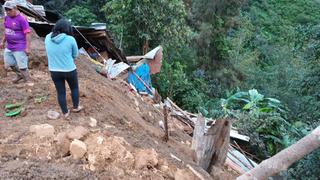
(26, 31)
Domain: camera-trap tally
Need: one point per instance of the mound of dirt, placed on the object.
(125, 142)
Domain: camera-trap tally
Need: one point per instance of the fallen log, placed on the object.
(285, 158)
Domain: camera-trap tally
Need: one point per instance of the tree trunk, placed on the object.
(211, 148)
(285, 158)
(145, 47)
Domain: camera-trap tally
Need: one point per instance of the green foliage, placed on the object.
(81, 16)
(211, 21)
(276, 47)
(138, 22)
(95, 7)
(251, 101)
(278, 53)
(59, 5)
(307, 168)
(269, 132)
(188, 92)
(263, 119)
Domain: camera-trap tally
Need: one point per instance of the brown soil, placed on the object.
(127, 142)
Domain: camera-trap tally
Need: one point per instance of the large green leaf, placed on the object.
(255, 96)
(248, 106)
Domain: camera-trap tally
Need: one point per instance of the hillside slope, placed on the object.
(126, 143)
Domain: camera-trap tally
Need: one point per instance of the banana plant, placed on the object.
(251, 101)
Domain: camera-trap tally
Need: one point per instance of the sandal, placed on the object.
(66, 115)
(78, 109)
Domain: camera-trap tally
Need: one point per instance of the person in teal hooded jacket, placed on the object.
(62, 51)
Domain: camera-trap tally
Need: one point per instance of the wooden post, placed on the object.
(165, 114)
(211, 147)
(145, 46)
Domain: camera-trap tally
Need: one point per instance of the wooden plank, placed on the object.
(189, 121)
(211, 148)
(221, 132)
(183, 112)
(134, 58)
(235, 134)
(199, 172)
(198, 133)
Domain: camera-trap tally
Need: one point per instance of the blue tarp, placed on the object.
(144, 73)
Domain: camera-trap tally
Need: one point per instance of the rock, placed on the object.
(146, 158)
(163, 165)
(115, 172)
(161, 124)
(93, 122)
(120, 153)
(107, 126)
(182, 174)
(92, 158)
(63, 143)
(33, 128)
(30, 84)
(77, 133)
(136, 102)
(78, 149)
(92, 168)
(42, 130)
(53, 114)
(112, 151)
(100, 140)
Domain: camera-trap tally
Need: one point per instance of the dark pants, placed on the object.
(59, 79)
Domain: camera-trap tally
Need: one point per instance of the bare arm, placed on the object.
(3, 43)
(28, 37)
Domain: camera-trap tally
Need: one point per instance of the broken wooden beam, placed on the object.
(211, 147)
(235, 134)
(184, 117)
(182, 111)
(134, 58)
(199, 172)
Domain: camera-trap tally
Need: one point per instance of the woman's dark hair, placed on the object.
(62, 26)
